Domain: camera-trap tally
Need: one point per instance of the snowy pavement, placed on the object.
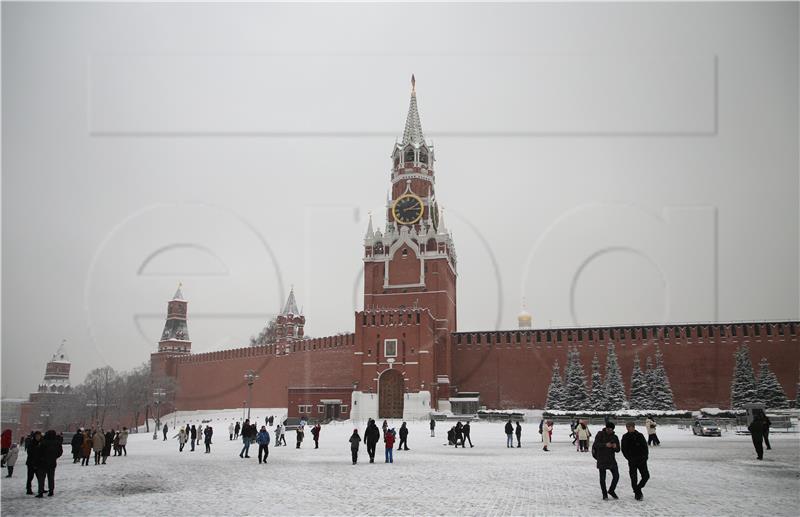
(690, 476)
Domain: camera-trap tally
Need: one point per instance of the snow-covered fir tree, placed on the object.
(597, 396)
(555, 393)
(639, 398)
(769, 389)
(575, 396)
(614, 388)
(743, 385)
(660, 396)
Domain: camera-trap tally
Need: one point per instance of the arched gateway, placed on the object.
(390, 394)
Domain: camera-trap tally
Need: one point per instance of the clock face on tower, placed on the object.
(407, 209)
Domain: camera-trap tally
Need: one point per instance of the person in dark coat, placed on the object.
(245, 440)
(757, 434)
(355, 442)
(5, 445)
(77, 441)
(767, 423)
(208, 432)
(236, 431)
(193, 436)
(509, 434)
(458, 434)
(466, 437)
(605, 446)
(451, 436)
(107, 446)
(34, 449)
(165, 429)
(518, 432)
(403, 437)
(635, 450)
(433, 426)
(315, 434)
(371, 436)
(50, 450)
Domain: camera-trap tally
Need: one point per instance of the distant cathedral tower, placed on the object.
(289, 324)
(175, 338)
(525, 319)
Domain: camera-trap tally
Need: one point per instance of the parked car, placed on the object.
(706, 427)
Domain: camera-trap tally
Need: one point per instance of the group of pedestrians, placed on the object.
(86, 441)
(511, 431)
(459, 434)
(193, 434)
(635, 450)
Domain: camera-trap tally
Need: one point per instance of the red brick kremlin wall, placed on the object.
(513, 369)
(215, 380)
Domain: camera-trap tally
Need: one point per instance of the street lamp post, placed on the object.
(250, 376)
(157, 396)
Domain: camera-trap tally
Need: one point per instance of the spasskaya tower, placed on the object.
(403, 336)
(413, 262)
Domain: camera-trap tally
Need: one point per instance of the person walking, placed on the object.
(605, 446)
(11, 458)
(355, 442)
(451, 436)
(547, 435)
(262, 439)
(635, 450)
(278, 435)
(51, 450)
(230, 432)
(315, 434)
(389, 439)
(236, 430)
(192, 436)
(433, 427)
(466, 437)
(123, 441)
(300, 434)
(756, 429)
(208, 432)
(98, 444)
(75, 444)
(86, 448)
(245, 440)
(767, 424)
(182, 438)
(583, 433)
(518, 432)
(509, 434)
(34, 453)
(403, 437)
(652, 437)
(371, 436)
(164, 430)
(117, 452)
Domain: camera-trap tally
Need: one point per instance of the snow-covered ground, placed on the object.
(690, 476)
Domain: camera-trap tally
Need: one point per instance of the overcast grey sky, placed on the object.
(629, 163)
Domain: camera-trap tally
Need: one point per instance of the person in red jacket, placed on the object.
(389, 439)
(5, 445)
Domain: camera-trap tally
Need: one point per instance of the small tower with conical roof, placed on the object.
(289, 325)
(175, 337)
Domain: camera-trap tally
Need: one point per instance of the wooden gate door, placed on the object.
(390, 395)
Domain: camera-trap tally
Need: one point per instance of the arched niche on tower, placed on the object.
(408, 154)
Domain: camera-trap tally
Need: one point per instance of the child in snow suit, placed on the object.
(389, 439)
(355, 441)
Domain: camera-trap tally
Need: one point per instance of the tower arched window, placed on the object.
(423, 156)
(409, 157)
(379, 249)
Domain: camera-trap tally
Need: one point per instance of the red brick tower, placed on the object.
(289, 326)
(175, 337)
(403, 334)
